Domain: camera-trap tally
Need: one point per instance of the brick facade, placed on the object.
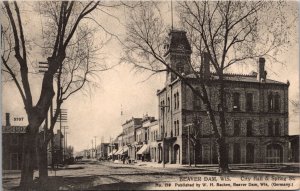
(256, 114)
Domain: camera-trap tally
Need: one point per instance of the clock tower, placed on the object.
(178, 54)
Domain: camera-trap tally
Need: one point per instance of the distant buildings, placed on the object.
(12, 145)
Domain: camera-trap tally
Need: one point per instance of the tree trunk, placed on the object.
(222, 155)
(42, 161)
(28, 161)
(194, 150)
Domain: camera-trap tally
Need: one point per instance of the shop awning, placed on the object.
(144, 150)
(125, 149)
(119, 152)
(112, 153)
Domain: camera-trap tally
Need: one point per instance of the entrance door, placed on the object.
(177, 153)
(236, 153)
(250, 153)
(14, 161)
(274, 153)
(198, 153)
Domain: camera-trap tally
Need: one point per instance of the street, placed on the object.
(96, 175)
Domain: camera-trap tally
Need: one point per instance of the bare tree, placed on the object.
(195, 134)
(69, 16)
(227, 33)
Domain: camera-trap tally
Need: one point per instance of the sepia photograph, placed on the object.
(150, 95)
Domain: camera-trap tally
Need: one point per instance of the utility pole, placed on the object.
(62, 118)
(92, 148)
(95, 147)
(189, 142)
(163, 133)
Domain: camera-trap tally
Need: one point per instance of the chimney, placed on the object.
(205, 68)
(7, 119)
(262, 74)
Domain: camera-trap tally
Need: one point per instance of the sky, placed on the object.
(122, 89)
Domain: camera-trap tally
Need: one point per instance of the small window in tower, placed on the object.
(197, 100)
(177, 100)
(177, 131)
(168, 104)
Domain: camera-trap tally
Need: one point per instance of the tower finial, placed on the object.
(172, 14)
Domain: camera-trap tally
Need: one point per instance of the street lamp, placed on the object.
(163, 133)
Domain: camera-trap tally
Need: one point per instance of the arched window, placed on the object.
(249, 128)
(177, 128)
(270, 102)
(236, 128)
(270, 128)
(277, 128)
(236, 101)
(168, 103)
(177, 100)
(249, 102)
(277, 102)
(250, 153)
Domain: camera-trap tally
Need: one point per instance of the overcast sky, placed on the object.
(99, 114)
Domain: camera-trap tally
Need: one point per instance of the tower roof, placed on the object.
(177, 42)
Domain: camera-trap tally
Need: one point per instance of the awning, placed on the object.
(112, 153)
(119, 151)
(125, 149)
(144, 150)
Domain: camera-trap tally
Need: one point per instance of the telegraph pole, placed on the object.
(95, 147)
(62, 118)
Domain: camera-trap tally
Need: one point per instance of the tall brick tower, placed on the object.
(178, 54)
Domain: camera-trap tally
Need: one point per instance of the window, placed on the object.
(277, 128)
(161, 108)
(249, 102)
(236, 128)
(14, 139)
(177, 128)
(175, 102)
(270, 102)
(277, 102)
(236, 153)
(168, 104)
(175, 125)
(249, 128)
(180, 69)
(197, 101)
(270, 128)
(236, 101)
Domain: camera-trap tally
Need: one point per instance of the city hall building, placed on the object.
(256, 112)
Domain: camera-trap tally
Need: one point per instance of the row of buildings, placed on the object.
(256, 116)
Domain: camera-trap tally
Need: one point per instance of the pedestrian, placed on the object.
(123, 158)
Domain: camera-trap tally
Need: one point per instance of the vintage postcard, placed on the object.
(150, 95)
